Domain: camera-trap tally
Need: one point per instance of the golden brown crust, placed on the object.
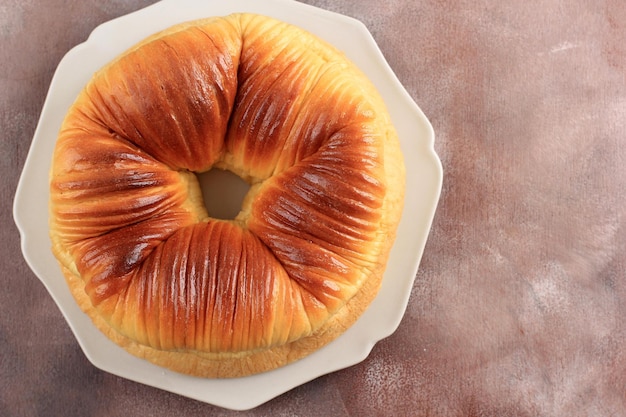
(307, 253)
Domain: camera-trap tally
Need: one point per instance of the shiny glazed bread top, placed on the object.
(276, 106)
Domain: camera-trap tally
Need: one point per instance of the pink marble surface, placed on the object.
(518, 307)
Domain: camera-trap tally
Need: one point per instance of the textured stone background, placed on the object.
(518, 307)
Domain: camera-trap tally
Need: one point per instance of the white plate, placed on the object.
(424, 176)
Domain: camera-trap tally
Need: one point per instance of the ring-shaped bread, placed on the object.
(306, 254)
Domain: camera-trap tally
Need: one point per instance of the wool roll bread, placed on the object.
(306, 254)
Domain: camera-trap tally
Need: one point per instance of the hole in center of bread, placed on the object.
(223, 193)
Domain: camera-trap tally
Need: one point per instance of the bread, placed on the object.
(305, 256)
